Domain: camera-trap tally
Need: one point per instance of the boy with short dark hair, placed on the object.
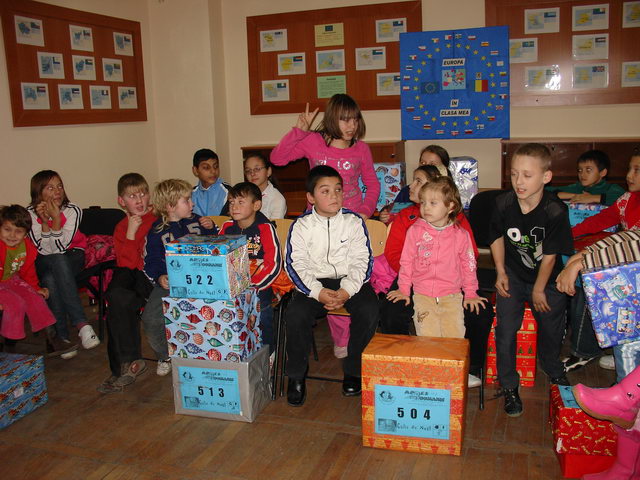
(591, 187)
(245, 201)
(329, 260)
(129, 287)
(210, 194)
(529, 232)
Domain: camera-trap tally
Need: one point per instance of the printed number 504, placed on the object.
(210, 391)
(413, 413)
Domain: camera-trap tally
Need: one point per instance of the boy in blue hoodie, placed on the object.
(210, 195)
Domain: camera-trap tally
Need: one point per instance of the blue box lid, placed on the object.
(205, 244)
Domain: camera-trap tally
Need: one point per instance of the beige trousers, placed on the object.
(439, 316)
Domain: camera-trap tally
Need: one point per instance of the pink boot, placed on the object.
(619, 404)
(627, 466)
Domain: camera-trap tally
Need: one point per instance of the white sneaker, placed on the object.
(88, 337)
(164, 367)
(71, 354)
(607, 362)
(473, 381)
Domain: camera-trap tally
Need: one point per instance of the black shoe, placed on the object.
(296, 392)
(562, 380)
(351, 386)
(512, 402)
(573, 362)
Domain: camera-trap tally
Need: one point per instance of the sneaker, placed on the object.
(72, 350)
(57, 346)
(473, 381)
(340, 352)
(512, 402)
(164, 367)
(130, 371)
(562, 380)
(88, 337)
(573, 362)
(109, 386)
(607, 362)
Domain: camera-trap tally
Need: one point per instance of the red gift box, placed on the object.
(575, 465)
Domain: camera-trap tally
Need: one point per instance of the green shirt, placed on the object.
(13, 260)
(609, 192)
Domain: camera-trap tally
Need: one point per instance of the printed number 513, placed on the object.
(210, 391)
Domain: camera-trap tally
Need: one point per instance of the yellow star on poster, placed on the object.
(437, 49)
(484, 112)
(421, 106)
(426, 112)
(475, 52)
(416, 79)
(455, 124)
(493, 95)
(492, 74)
(488, 64)
(419, 70)
(448, 45)
(415, 88)
(429, 55)
(483, 57)
(468, 47)
(443, 123)
(466, 122)
(458, 45)
(476, 118)
(417, 97)
(433, 119)
(493, 84)
(489, 104)
(423, 62)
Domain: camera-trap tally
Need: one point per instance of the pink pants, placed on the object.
(18, 299)
(339, 326)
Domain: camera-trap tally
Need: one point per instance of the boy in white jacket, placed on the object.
(328, 258)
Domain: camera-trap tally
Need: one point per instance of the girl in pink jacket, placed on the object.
(439, 262)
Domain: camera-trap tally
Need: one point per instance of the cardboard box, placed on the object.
(578, 212)
(226, 390)
(208, 266)
(391, 177)
(614, 303)
(214, 330)
(414, 393)
(22, 386)
(464, 171)
(582, 443)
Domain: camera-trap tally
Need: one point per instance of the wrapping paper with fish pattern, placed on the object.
(208, 266)
(391, 178)
(216, 330)
(22, 386)
(464, 171)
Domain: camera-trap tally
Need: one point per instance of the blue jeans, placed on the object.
(58, 272)
(627, 358)
(266, 317)
(583, 338)
(153, 323)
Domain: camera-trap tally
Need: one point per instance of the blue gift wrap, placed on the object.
(22, 386)
(578, 212)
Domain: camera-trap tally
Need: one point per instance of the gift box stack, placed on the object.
(582, 443)
(525, 351)
(22, 386)
(414, 393)
(212, 322)
(578, 212)
(464, 171)
(391, 177)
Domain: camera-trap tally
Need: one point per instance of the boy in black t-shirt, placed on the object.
(529, 231)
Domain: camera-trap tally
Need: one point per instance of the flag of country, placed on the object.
(482, 85)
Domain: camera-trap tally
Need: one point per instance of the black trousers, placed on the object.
(301, 315)
(127, 294)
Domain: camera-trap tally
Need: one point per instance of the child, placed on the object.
(336, 143)
(257, 169)
(173, 206)
(263, 245)
(129, 287)
(210, 195)
(54, 231)
(329, 261)
(591, 186)
(529, 232)
(20, 293)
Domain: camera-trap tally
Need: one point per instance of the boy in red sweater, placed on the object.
(129, 288)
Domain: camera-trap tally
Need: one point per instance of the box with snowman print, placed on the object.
(217, 330)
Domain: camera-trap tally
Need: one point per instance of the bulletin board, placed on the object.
(307, 56)
(571, 52)
(71, 67)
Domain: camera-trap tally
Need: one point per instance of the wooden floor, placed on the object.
(82, 434)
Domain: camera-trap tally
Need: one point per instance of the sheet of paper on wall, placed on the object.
(275, 90)
(35, 96)
(387, 84)
(590, 47)
(123, 44)
(591, 76)
(631, 15)
(523, 50)
(541, 20)
(630, 74)
(112, 70)
(371, 58)
(329, 35)
(292, 64)
(84, 68)
(328, 61)
(127, 98)
(50, 65)
(273, 40)
(81, 38)
(70, 97)
(545, 77)
(100, 97)
(328, 86)
(590, 17)
(29, 31)
(389, 30)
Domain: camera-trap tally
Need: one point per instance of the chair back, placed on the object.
(377, 236)
(480, 210)
(218, 220)
(100, 221)
(282, 230)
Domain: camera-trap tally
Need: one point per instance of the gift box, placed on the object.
(464, 171)
(208, 266)
(391, 178)
(22, 386)
(578, 212)
(414, 393)
(225, 390)
(576, 434)
(614, 303)
(526, 348)
(215, 330)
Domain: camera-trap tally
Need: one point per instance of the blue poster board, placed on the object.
(412, 411)
(210, 389)
(455, 83)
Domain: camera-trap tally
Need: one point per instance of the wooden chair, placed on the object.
(218, 220)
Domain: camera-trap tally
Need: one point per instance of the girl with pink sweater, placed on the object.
(438, 261)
